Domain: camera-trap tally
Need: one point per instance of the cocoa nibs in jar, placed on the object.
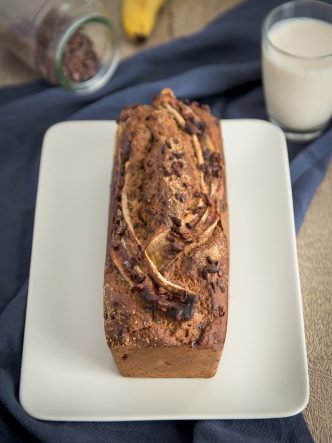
(79, 62)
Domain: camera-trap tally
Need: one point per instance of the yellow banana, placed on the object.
(139, 17)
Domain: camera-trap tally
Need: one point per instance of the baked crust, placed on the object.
(167, 260)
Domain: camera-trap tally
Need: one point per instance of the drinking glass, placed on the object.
(297, 87)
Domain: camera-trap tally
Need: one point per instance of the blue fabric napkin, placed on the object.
(219, 66)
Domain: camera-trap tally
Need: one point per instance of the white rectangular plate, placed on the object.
(67, 370)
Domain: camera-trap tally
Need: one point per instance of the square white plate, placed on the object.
(67, 370)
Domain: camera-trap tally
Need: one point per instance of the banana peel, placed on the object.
(139, 18)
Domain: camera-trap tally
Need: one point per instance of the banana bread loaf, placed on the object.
(166, 273)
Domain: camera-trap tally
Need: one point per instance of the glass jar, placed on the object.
(72, 43)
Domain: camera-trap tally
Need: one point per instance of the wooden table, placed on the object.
(315, 237)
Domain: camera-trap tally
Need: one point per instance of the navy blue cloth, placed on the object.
(219, 66)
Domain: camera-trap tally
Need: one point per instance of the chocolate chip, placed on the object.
(115, 245)
(183, 311)
(178, 155)
(180, 197)
(175, 231)
(198, 209)
(177, 246)
(190, 225)
(205, 274)
(149, 308)
(140, 253)
(190, 128)
(222, 289)
(212, 269)
(137, 277)
(139, 287)
(206, 154)
(176, 221)
(201, 126)
(186, 236)
(215, 158)
(148, 294)
(221, 311)
(121, 230)
(176, 166)
(166, 173)
(120, 330)
(219, 281)
(125, 356)
(213, 286)
(133, 261)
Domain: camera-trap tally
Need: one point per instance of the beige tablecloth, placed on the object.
(315, 237)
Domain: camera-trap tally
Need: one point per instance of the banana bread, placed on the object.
(167, 260)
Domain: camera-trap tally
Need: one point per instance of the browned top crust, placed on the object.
(166, 274)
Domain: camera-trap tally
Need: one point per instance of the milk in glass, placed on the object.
(297, 73)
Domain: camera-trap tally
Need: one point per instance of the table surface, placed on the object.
(314, 239)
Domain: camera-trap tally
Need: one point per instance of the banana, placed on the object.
(139, 17)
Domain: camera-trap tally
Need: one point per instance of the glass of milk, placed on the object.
(297, 67)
